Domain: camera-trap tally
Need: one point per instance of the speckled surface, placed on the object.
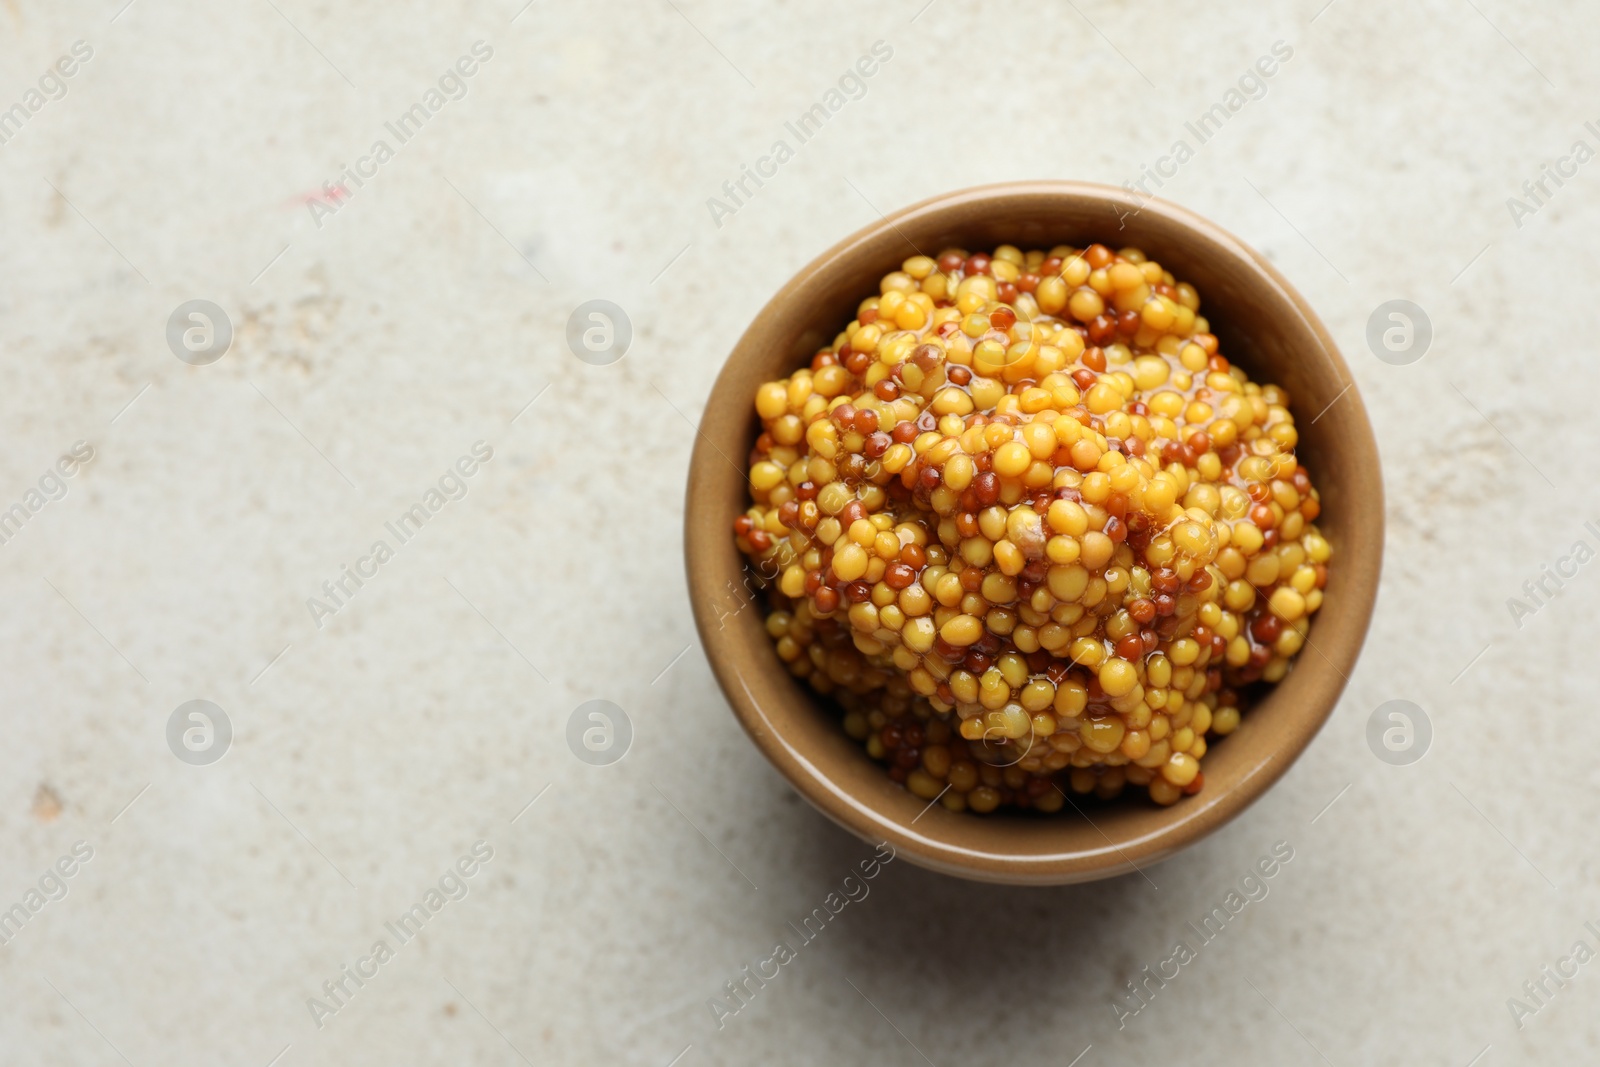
(423, 316)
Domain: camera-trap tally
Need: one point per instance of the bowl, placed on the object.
(1263, 324)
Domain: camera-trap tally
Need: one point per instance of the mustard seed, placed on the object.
(1031, 545)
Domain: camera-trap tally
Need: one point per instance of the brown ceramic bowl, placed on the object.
(1263, 325)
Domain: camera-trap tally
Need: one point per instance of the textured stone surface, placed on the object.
(430, 309)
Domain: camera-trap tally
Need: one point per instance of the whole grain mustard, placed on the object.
(1031, 530)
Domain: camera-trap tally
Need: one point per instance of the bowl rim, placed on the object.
(1194, 817)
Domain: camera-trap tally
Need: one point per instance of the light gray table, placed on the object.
(380, 330)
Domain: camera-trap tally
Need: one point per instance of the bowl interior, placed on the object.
(1262, 324)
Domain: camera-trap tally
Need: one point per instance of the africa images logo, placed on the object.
(452, 85)
(453, 885)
